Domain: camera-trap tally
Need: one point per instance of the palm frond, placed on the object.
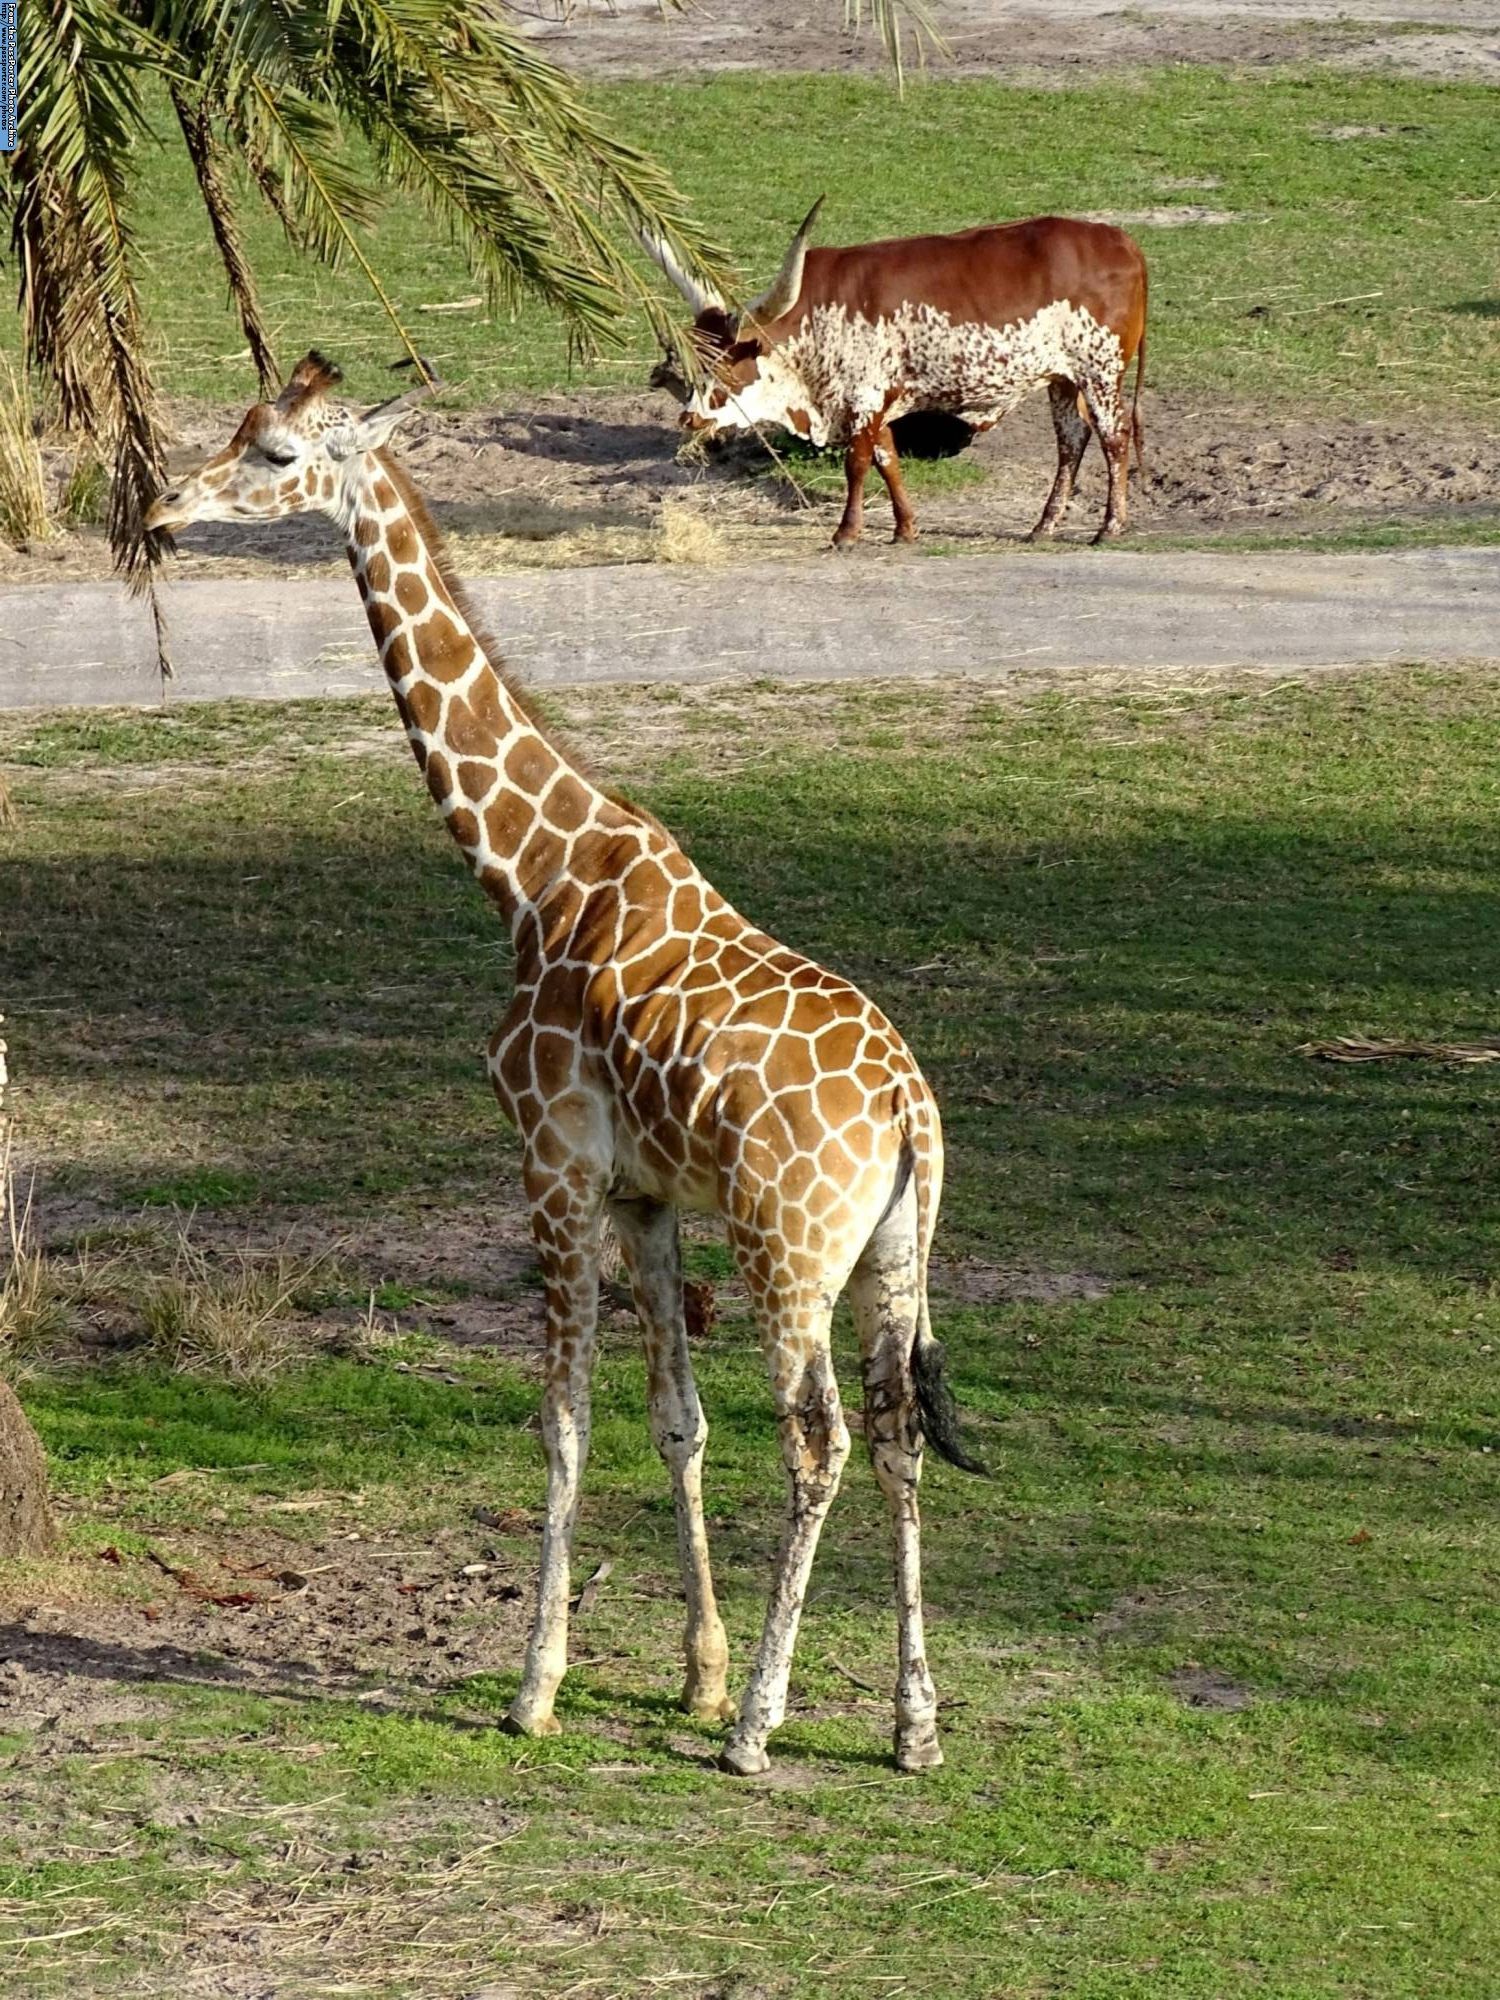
(209, 167)
(458, 106)
(893, 21)
(68, 199)
(550, 171)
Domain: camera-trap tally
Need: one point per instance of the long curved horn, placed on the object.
(781, 294)
(700, 297)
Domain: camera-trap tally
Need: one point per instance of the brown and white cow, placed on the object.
(844, 343)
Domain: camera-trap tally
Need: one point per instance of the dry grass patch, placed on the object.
(242, 1320)
(36, 1309)
(686, 536)
(245, 1315)
(25, 515)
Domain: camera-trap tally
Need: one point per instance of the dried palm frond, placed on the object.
(1360, 1049)
(68, 196)
(209, 165)
(893, 19)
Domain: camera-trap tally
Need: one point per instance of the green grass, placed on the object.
(1451, 530)
(1396, 226)
(1267, 1453)
(800, 466)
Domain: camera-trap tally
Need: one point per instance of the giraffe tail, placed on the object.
(942, 1422)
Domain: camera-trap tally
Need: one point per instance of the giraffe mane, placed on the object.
(432, 535)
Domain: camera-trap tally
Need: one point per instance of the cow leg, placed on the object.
(1072, 442)
(888, 465)
(857, 464)
(1113, 425)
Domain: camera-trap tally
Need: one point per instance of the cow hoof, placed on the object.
(744, 1763)
(904, 535)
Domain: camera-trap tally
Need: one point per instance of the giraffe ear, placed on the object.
(378, 425)
(366, 433)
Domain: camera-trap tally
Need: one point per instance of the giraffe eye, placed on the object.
(279, 458)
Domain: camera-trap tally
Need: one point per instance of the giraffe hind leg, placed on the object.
(648, 1238)
(885, 1294)
(795, 1332)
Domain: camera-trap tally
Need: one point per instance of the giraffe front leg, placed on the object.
(814, 1444)
(567, 1207)
(648, 1236)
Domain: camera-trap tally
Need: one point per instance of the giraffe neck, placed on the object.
(509, 796)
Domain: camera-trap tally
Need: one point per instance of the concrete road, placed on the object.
(881, 613)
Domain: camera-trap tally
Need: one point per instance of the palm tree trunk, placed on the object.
(26, 1524)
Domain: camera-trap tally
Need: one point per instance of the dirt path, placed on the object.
(1029, 40)
(580, 477)
(881, 612)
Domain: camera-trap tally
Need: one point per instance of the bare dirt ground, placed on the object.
(1030, 41)
(580, 479)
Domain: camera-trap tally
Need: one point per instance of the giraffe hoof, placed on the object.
(743, 1763)
(918, 1749)
(708, 1707)
(521, 1725)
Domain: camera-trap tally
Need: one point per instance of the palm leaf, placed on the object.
(68, 199)
(457, 106)
(893, 20)
(209, 167)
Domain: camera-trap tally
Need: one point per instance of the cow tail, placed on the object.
(942, 1425)
(1137, 430)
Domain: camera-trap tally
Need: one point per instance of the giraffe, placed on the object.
(660, 1054)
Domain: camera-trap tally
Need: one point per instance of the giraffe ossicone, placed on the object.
(660, 1054)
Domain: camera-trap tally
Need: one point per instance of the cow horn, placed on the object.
(700, 297)
(781, 294)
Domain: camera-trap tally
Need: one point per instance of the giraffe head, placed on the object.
(298, 454)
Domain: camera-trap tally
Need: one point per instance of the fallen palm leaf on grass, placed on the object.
(190, 1581)
(1358, 1049)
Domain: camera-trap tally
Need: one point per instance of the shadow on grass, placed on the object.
(581, 1701)
(168, 1665)
(1121, 1012)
